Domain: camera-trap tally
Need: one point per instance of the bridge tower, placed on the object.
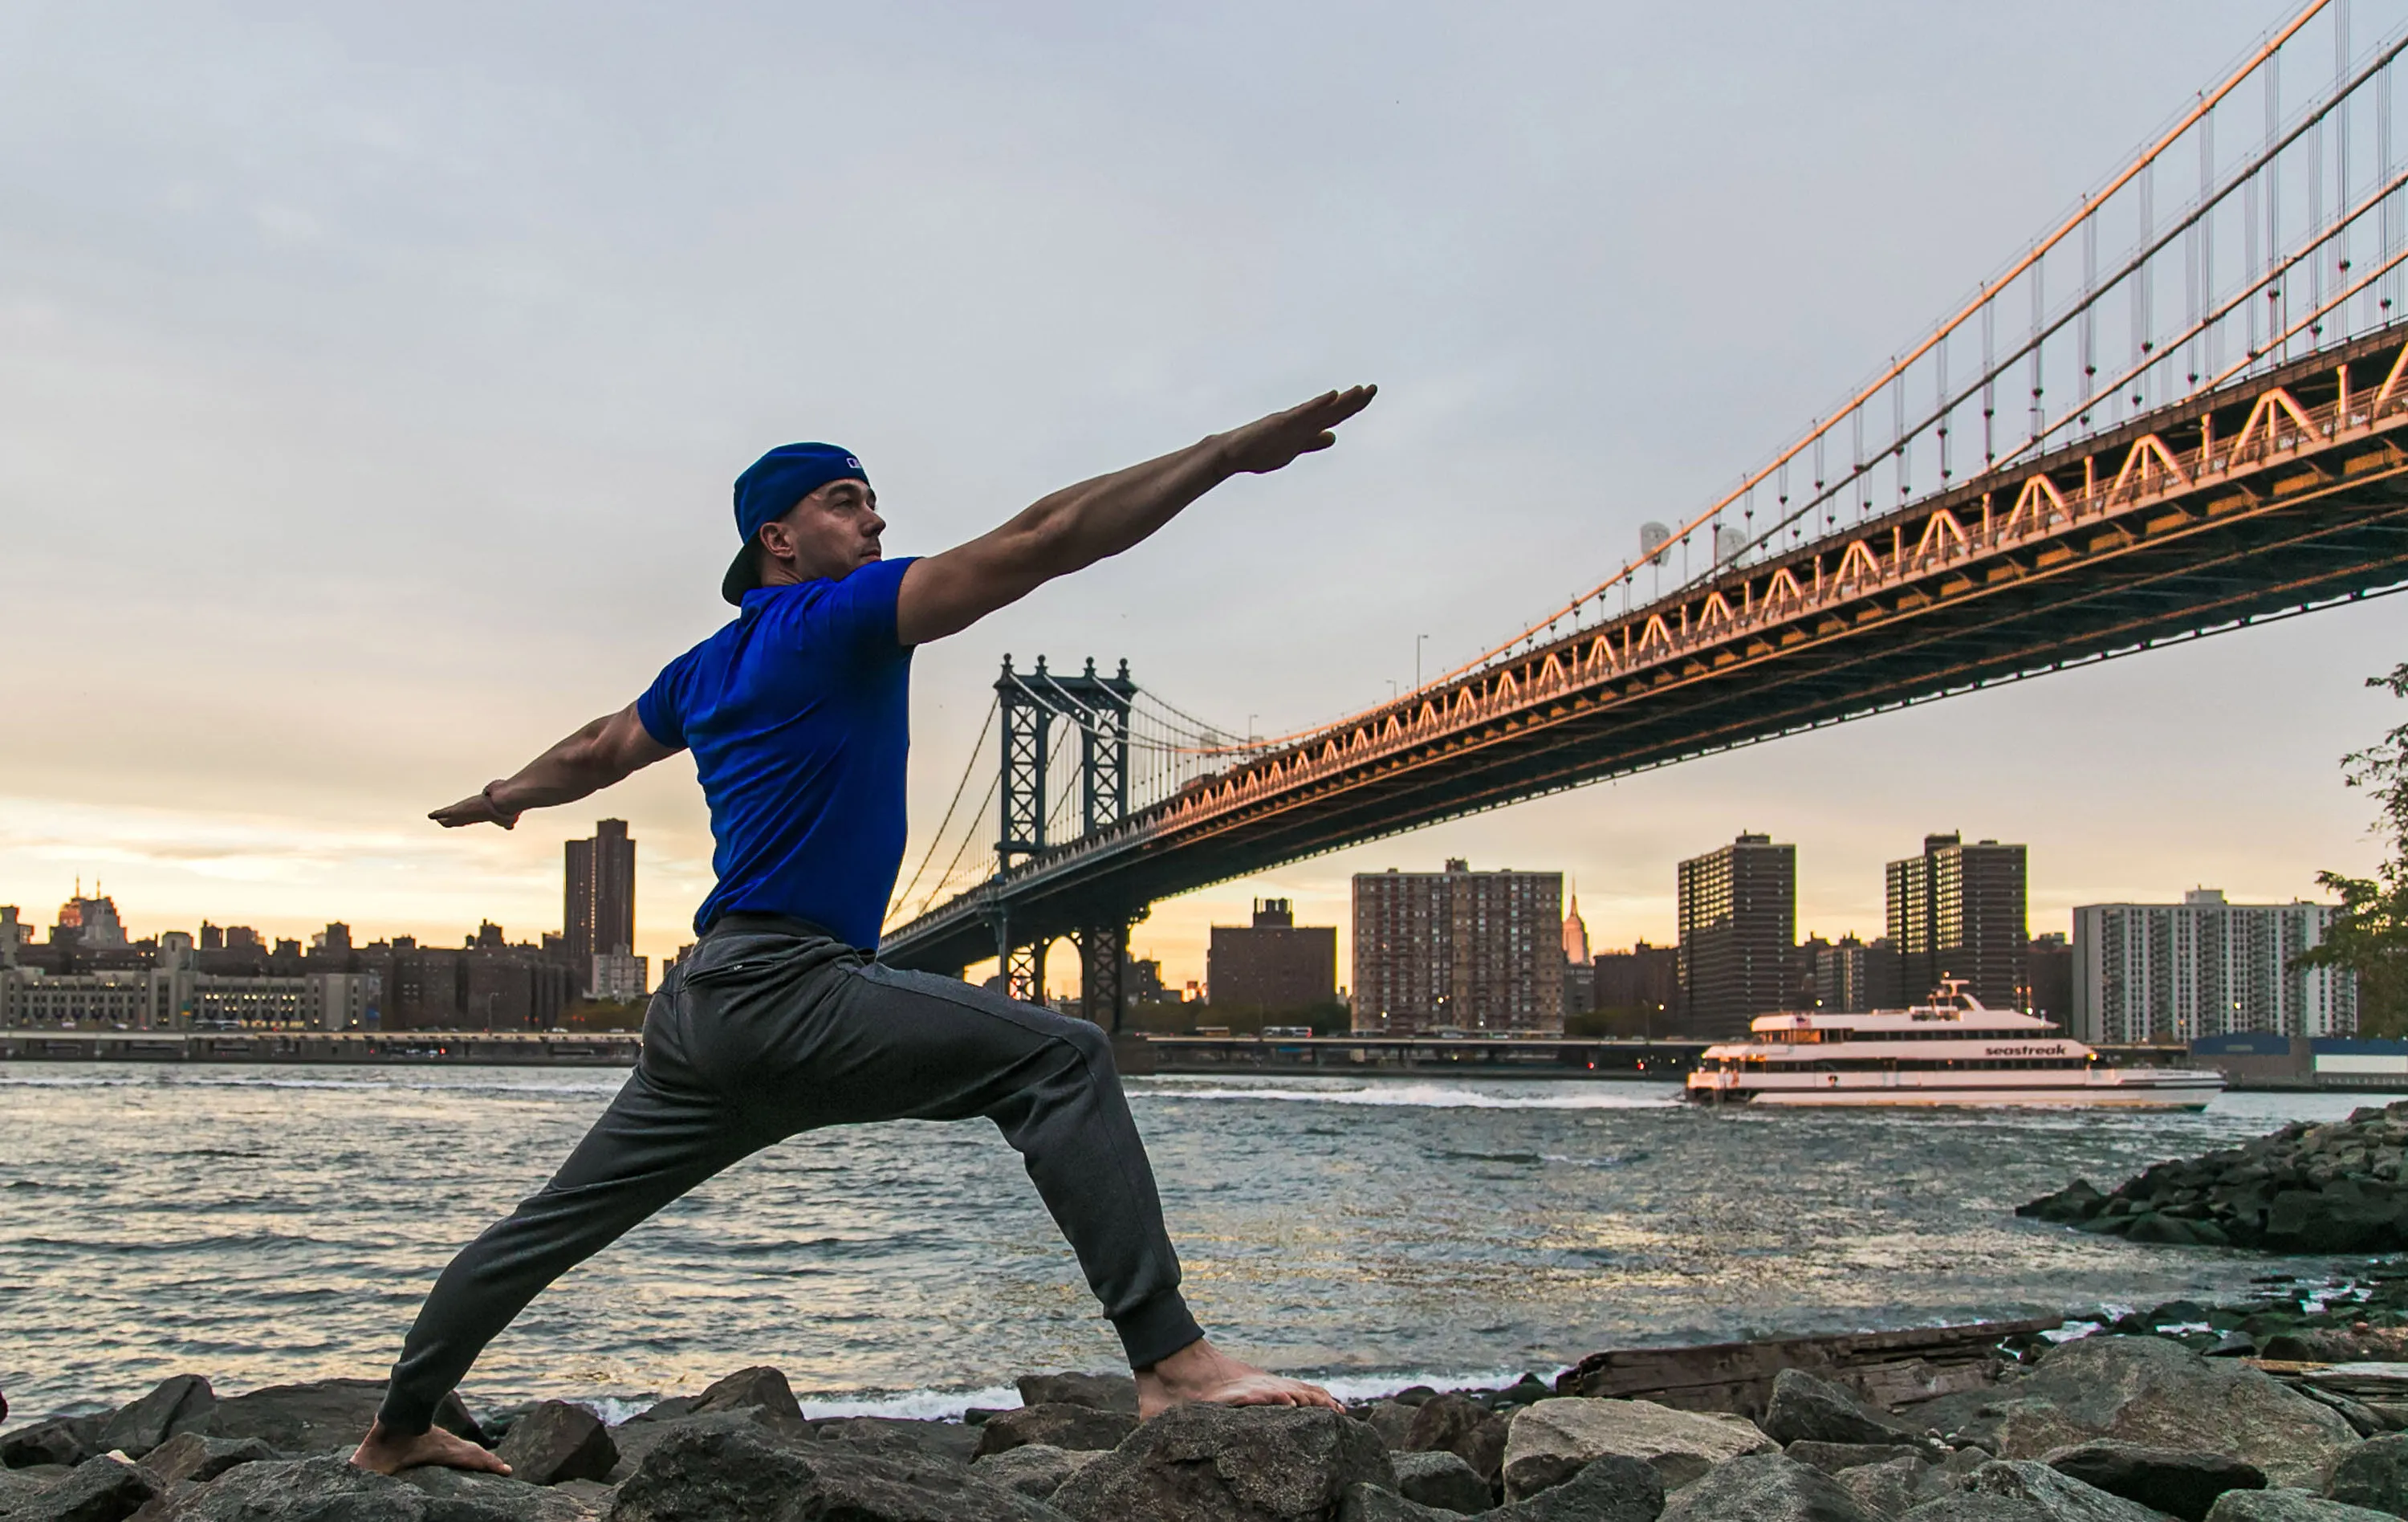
(1029, 702)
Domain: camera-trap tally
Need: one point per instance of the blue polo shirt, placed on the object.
(798, 716)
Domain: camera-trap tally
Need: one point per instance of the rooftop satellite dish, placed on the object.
(1652, 537)
(1728, 542)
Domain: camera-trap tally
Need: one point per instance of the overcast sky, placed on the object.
(372, 376)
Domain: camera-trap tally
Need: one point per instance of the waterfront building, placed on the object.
(1273, 964)
(89, 922)
(13, 933)
(2048, 972)
(600, 909)
(2203, 967)
(1737, 915)
(1457, 950)
(1843, 977)
(175, 998)
(620, 977)
(1644, 981)
(334, 942)
(1957, 911)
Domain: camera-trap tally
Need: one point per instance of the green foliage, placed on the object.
(2370, 935)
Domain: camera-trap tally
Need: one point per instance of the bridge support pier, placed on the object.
(1103, 972)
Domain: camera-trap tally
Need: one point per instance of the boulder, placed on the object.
(1611, 1489)
(2182, 1481)
(1105, 1392)
(2286, 1506)
(2077, 1201)
(760, 1387)
(1552, 1441)
(2374, 1474)
(1893, 1487)
(1442, 1480)
(1831, 1458)
(1764, 1488)
(1803, 1409)
(723, 1468)
(898, 1437)
(1057, 1424)
(555, 1440)
(638, 1436)
(321, 1417)
(1203, 1463)
(1366, 1502)
(61, 1440)
(323, 1489)
(2053, 1496)
(180, 1403)
(18, 1487)
(1393, 1419)
(1459, 1425)
(1033, 1469)
(461, 1496)
(199, 1458)
(2157, 1393)
(105, 1489)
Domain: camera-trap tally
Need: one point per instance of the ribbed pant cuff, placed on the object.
(1157, 1329)
(400, 1415)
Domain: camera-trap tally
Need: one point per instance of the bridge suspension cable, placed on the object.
(2248, 198)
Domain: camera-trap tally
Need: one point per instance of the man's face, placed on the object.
(831, 532)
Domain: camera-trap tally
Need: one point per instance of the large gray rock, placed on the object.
(898, 1437)
(556, 1441)
(102, 1489)
(2158, 1394)
(1803, 1409)
(1367, 1503)
(2286, 1506)
(1459, 1425)
(729, 1470)
(2183, 1483)
(1105, 1392)
(2374, 1474)
(18, 1487)
(324, 1489)
(1611, 1489)
(1033, 1469)
(1831, 1458)
(466, 1496)
(1441, 1479)
(1392, 1419)
(180, 1403)
(61, 1439)
(321, 1417)
(1202, 1463)
(638, 1436)
(2052, 1497)
(1764, 1488)
(759, 1388)
(1057, 1424)
(199, 1458)
(1893, 1487)
(1552, 1441)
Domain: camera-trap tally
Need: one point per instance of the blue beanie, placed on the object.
(769, 490)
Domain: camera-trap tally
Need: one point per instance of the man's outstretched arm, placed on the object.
(1075, 527)
(586, 762)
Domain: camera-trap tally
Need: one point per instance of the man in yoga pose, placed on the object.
(797, 714)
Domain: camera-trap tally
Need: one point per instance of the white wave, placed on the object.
(917, 1405)
(1375, 1387)
(1438, 1096)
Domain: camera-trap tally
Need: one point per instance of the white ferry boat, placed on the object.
(1953, 1050)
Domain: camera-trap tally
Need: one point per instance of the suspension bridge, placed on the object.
(2202, 431)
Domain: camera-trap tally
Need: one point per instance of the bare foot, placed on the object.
(1200, 1371)
(383, 1453)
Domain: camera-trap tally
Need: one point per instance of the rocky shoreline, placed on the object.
(2142, 1417)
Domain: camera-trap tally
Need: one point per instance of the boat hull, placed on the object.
(2192, 1094)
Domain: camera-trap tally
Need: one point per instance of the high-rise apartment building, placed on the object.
(1957, 911)
(1738, 912)
(1273, 964)
(1644, 981)
(2205, 967)
(1457, 950)
(600, 913)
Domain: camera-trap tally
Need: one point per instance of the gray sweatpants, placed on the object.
(771, 1029)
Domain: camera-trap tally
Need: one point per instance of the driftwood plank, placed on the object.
(1891, 1368)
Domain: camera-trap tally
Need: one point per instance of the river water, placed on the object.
(266, 1226)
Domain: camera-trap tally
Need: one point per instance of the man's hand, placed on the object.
(1272, 443)
(476, 809)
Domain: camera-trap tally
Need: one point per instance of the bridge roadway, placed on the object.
(2276, 493)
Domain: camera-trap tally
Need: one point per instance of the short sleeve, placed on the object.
(662, 707)
(857, 615)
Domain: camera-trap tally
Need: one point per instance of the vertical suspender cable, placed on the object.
(2143, 286)
(2390, 203)
(2274, 322)
(2087, 330)
(1990, 380)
